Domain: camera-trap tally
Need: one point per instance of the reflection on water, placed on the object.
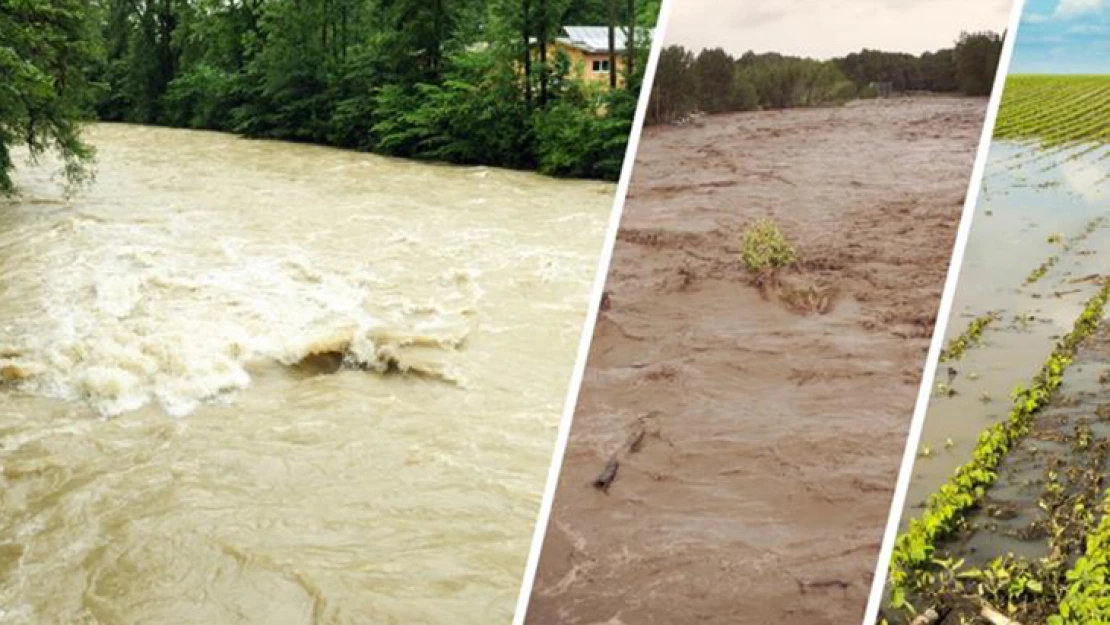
(1028, 197)
(253, 382)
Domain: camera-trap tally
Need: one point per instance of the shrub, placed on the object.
(572, 140)
(868, 92)
(764, 248)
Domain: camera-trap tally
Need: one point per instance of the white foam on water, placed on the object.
(124, 315)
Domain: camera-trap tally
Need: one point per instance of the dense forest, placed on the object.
(714, 82)
(464, 81)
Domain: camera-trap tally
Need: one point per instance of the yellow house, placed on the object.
(587, 48)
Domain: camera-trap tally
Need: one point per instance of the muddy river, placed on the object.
(255, 382)
(774, 419)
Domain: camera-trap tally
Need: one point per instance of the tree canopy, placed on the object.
(46, 49)
(455, 80)
(715, 82)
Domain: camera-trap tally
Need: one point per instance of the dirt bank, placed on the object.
(775, 420)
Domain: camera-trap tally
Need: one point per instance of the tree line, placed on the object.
(463, 81)
(713, 81)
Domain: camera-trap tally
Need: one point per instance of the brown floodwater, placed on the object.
(774, 419)
(256, 382)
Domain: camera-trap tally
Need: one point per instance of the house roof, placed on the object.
(595, 38)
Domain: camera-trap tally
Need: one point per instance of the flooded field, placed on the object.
(255, 382)
(1023, 220)
(1035, 263)
(757, 492)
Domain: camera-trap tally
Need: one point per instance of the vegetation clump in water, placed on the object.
(1041, 270)
(765, 249)
(958, 346)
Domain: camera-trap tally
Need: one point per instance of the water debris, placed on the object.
(804, 586)
(632, 445)
(608, 474)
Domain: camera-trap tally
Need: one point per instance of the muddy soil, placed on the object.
(774, 418)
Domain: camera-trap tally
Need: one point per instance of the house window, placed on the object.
(601, 67)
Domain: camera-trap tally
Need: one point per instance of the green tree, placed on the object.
(441, 79)
(47, 48)
(715, 72)
(976, 58)
(673, 91)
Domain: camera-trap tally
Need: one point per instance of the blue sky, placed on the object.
(1063, 37)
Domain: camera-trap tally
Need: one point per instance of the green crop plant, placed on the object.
(971, 336)
(1041, 270)
(1087, 598)
(914, 554)
(1055, 110)
(764, 249)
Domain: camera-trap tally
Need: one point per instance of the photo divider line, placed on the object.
(878, 584)
(586, 339)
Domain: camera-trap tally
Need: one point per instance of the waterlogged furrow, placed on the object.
(1016, 546)
(913, 566)
(972, 335)
(1041, 270)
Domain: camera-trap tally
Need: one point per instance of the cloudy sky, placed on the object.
(1062, 37)
(827, 28)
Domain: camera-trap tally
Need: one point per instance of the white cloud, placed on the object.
(1089, 29)
(1073, 8)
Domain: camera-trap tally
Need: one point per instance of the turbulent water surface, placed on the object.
(254, 382)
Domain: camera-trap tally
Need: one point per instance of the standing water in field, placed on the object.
(1032, 260)
(255, 382)
(1034, 264)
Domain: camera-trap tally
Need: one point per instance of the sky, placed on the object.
(827, 28)
(1062, 37)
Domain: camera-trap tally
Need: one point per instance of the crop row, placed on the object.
(1055, 110)
(1068, 244)
(958, 345)
(946, 509)
(1042, 269)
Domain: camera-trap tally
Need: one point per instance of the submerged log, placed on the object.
(632, 445)
(608, 474)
